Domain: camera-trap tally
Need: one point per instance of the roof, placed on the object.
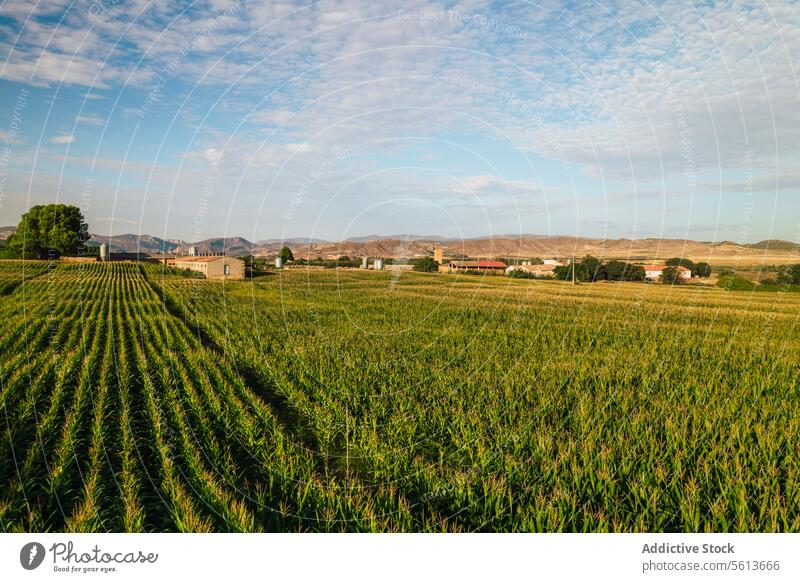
(662, 267)
(494, 264)
(200, 259)
(479, 264)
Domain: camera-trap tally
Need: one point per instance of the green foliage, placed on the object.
(593, 267)
(286, 254)
(48, 231)
(702, 270)
(426, 265)
(564, 272)
(790, 275)
(521, 274)
(671, 276)
(330, 401)
(679, 262)
(734, 283)
(622, 271)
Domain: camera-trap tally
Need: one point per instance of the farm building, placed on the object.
(214, 267)
(492, 267)
(166, 259)
(654, 271)
(535, 270)
(555, 263)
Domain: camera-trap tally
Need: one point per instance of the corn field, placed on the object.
(338, 400)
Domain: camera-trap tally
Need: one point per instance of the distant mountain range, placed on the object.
(413, 246)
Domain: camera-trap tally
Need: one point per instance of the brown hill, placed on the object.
(554, 247)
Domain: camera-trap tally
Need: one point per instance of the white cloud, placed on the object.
(61, 139)
(630, 92)
(488, 184)
(90, 120)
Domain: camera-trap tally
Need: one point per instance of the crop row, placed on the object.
(506, 405)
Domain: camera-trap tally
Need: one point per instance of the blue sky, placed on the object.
(336, 119)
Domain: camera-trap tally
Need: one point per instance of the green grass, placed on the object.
(349, 401)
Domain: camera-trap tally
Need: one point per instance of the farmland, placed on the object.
(134, 400)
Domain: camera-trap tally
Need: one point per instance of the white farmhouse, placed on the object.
(654, 271)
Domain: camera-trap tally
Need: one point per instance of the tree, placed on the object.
(426, 265)
(790, 275)
(286, 254)
(622, 271)
(47, 230)
(593, 266)
(671, 276)
(679, 262)
(564, 272)
(701, 270)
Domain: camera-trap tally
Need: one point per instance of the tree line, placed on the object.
(590, 269)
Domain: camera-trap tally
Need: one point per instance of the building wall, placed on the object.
(216, 269)
(657, 274)
(200, 267)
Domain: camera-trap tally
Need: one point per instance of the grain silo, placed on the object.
(365, 262)
(378, 265)
(104, 252)
(279, 263)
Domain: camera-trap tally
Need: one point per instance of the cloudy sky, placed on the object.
(336, 119)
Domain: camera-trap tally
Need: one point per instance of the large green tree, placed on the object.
(680, 262)
(622, 271)
(701, 270)
(593, 266)
(49, 230)
(671, 276)
(286, 254)
(790, 275)
(564, 272)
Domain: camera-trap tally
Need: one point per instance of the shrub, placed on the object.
(734, 283)
(426, 265)
(521, 274)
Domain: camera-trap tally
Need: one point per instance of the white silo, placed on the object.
(193, 251)
(365, 262)
(378, 264)
(279, 263)
(104, 252)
